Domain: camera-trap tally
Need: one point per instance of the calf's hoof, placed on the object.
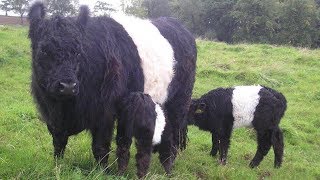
(167, 165)
(213, 153)
(58, 154)
(253, 164)
(168, 171)
(121, 172)
(277, 165)
(222, 162)
(141, 175)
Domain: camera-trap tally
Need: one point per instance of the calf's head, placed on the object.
(197, 112)
(57, 51)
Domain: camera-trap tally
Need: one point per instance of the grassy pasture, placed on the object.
(26, 148)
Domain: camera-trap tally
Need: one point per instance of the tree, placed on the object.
(136, 8)
(299, 21)
(20, 7)
(103, 8)
(62, 7)
(218, 19)
(156, 8)
(5, 6)
(191, 13)
(256, 20)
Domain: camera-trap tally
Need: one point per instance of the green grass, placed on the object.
(25, 144)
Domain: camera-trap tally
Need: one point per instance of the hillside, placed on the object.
(26, 148)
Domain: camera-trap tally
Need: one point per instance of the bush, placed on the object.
(298, 23)
(256, 20)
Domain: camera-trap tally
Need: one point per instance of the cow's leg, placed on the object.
(101, 139)
(177, 109)
(60, 140)
(167, 151)
(59, 143)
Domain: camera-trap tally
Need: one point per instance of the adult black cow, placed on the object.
(82, 67)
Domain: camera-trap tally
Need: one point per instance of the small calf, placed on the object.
(223, 109)
(143, 119)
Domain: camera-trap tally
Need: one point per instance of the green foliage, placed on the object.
(146, 8)
(26, 147)
(62, 7)
(157, 8)
(293, 22)
(256, 20)
(191, 12)
(299, 23)
(136, 8)
(219, 20)
(103, 8)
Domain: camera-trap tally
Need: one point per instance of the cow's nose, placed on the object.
(68, 88)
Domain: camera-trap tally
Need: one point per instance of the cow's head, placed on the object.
(57, 50)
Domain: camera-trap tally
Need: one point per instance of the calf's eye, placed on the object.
(199, 111)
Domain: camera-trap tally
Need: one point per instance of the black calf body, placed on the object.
(223, 109)
(138, 119)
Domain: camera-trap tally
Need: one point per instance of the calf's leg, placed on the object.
(264, 145)
(277, 143)
(224, 135)
(144, 151)
(224, 143)
(123, 147)
(215, 142)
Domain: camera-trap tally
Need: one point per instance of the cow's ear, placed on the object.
(84, 15)
(201, 107)
(36, 12)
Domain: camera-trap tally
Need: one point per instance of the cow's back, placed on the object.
(158, 56)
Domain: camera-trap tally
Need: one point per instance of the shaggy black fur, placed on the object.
(138, 120)
(180, 91)
(82, 67)
(213, 112)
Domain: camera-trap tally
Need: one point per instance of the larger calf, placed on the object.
(224, 109)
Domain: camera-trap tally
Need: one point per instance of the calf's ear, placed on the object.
(84, 15)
